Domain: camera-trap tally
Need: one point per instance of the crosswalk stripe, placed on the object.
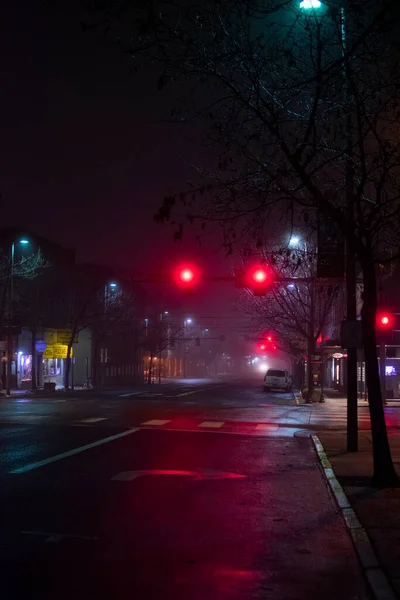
(92, 420)
(156, 422)
(214, 424)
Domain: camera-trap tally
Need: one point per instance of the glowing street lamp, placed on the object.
(22, 242)
(310, 4)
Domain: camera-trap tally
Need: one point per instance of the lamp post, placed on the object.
(108, 289)
(351, 298)
(22, 242)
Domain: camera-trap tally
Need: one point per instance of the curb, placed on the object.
(379, 583)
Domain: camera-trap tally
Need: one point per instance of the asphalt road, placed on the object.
(209, 490)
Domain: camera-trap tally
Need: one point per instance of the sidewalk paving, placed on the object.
(377, 510)
(83, 392)
(335, 398)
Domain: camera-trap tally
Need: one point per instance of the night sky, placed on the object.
(83, 160)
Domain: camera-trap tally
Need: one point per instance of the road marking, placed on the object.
(251, 432)
(197, 475)
(58, 537)
(214, 424)
(52, 459)
(92, 420)
(156, 422)
(27, 417)
(266, 426)
(196, 391)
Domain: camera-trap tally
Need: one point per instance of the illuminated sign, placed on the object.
(390, 371)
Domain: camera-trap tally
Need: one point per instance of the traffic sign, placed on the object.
(40, 346)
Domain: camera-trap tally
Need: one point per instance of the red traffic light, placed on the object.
(385, 320)
(260, 276)
(262, 346)
(186, 276)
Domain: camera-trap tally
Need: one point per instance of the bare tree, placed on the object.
(159, 335)
(300, 108)
(297, 310)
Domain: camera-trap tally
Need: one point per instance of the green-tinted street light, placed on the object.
(307, 4)
(24, 242)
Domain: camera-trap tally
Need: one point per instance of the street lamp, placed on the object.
(307, 4)
(351, 280)
(294, 241)
(22, 242)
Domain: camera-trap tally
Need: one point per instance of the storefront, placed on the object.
(24, 369)
(54, 359)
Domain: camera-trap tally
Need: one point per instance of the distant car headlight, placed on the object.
(263, 367)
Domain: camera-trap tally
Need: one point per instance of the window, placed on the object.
(26, 367)
(275, 373)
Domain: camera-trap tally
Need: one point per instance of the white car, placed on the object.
(277, 379)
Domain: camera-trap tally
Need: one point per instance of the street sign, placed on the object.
(56, 351)
(61, 350)
(64, 336)
(40, 346)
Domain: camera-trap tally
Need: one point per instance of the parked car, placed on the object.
(277, 379)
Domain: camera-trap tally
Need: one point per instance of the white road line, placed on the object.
(214, 424)
(198, 391)
(27, 417)
(47, 461)
(156, 422)
(92, 420)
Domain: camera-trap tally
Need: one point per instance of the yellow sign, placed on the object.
(64, 336)
(57, 351)
(50, 336)
(60, 351)
(49, 352)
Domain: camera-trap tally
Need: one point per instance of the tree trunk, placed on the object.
(68, 361)
(95, 363)
(150, 370)
(310, 382)
(67, 366)
(384, 474)
(34, 359)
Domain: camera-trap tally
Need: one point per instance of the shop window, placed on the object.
(51, 367)
(26, 367)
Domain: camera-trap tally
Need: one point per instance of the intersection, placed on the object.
(216, 493)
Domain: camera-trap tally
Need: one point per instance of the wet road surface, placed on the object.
(149, 497)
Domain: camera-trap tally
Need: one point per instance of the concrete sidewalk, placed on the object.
(377, 510)
(335, 398)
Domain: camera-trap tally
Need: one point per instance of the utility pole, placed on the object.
(382, 370)
(352, 400)
(10, 339)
